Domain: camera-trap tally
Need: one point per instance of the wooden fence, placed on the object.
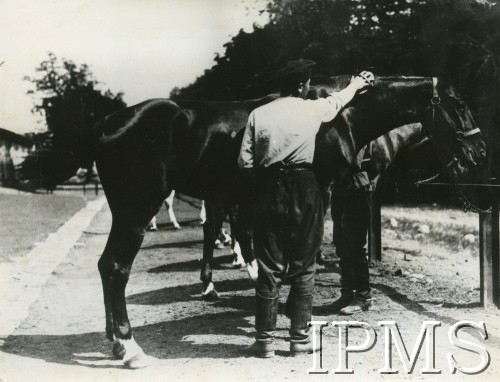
(489, 248)
(92, 186)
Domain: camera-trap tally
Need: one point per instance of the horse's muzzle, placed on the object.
(470, 160)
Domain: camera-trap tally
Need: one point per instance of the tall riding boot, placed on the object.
(347, 280)
(300, 331)
(265, 323)
(347, 283)
(362, 276)
(362, 299)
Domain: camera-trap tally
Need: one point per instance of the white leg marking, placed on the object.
(152, 225)
(131, 348)
(203, 212)
(170, 207)
(227, 238)
(238, 258)
(253, 270)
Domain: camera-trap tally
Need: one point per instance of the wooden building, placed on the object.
(13, 149)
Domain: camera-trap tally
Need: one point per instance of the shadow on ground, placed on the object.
(219, 262)
(186, 293)
(168, 226)
(178, 244)
(192, 337)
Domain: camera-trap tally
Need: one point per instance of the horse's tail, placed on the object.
(47, 167)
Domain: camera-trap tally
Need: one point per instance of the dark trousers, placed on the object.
(351, 216)
(288, 235)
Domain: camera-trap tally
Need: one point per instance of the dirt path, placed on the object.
(63, 336)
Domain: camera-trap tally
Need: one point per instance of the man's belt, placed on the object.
(283, 168)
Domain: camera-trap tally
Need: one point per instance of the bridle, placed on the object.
(460, 136)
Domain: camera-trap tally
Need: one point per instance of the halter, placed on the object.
(459, 136)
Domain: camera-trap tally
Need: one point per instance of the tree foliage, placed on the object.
(65, 95)
(456, 39)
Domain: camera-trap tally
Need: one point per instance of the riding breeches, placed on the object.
(287, 237)
(351, 216)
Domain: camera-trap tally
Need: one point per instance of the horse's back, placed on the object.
(145, 117)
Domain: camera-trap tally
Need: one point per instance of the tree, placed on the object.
(452, 38)
(457, 40)
(65, 95)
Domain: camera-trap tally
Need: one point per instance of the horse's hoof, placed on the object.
(178, 227)
(210, 294)
(118, 350)
(138, 361)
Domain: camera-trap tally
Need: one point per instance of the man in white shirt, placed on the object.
(279, 143)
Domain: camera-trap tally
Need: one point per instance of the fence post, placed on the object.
(489, 256)
(375, 229)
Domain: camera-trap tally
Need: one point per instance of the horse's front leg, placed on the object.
(211, 229)
(244, 220)
(114, 266)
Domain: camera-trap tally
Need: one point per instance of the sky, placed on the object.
(143, 48)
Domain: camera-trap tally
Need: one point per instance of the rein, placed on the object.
(460, 136)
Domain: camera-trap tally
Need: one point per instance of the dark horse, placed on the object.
(145, 151)
(442, 120)
(351, 209)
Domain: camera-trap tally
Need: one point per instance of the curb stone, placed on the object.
(21, 280)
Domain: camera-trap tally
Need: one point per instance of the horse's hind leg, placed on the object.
(211, 229)
(114, 266)
(244, 219)
(169, 203)
(203, 213)
(238, 260)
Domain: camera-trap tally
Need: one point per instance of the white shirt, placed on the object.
(285, 130)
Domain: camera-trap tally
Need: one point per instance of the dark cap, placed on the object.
(294, 68)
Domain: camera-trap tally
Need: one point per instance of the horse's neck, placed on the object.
(380, 153)
(333, 84)
(390, 104)
(401, 138)
(255, 103)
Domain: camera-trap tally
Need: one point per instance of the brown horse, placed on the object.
(145, 151)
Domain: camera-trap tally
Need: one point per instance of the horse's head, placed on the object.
(455, 136)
